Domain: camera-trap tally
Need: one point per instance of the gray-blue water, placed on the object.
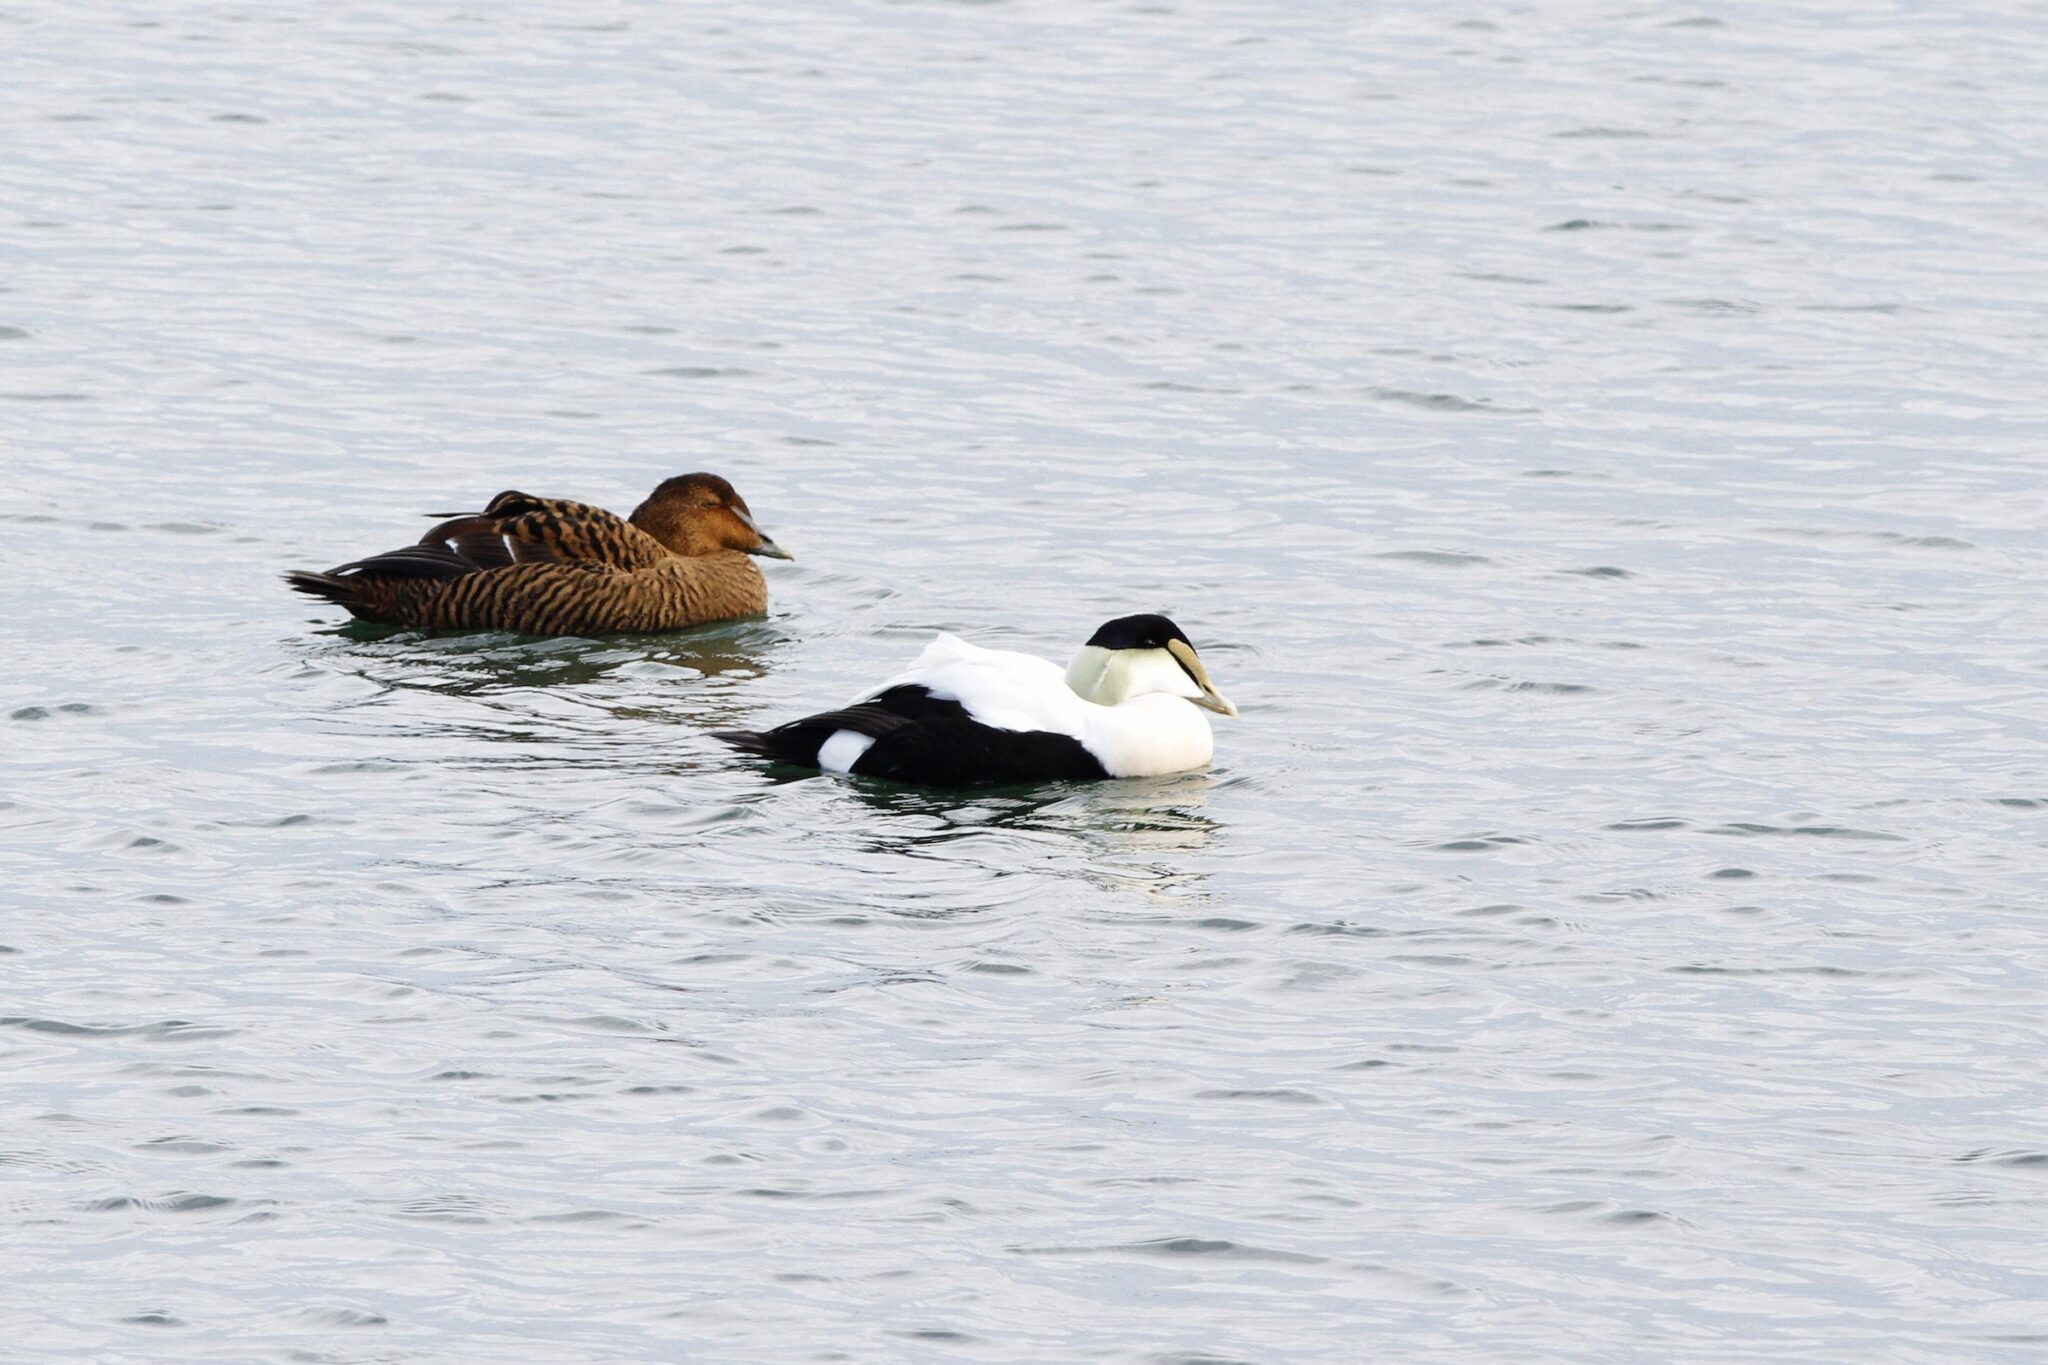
(1603, 448)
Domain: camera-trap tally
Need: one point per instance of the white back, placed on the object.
(999, 687)
(1149, 729)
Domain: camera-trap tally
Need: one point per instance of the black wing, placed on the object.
(798, 742)
(927, 740)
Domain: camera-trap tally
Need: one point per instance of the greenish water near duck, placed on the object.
(1599, 451)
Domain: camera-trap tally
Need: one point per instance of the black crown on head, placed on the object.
(1138, 632)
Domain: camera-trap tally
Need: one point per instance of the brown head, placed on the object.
(700, 514)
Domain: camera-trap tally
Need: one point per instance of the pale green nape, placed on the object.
(1088, 674)
(1109, 677)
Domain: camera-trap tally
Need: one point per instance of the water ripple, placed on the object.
(1600, 453)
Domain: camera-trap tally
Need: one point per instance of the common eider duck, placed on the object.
(963, 716)
(548, 566)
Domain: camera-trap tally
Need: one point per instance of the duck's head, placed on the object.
(1134, 655)
(700, 514)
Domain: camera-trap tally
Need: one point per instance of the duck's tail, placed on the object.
(340, 591)
(767, 744)
(808, 743)
(367, 587)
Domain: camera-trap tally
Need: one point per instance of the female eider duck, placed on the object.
(963, 716)
(547, 566)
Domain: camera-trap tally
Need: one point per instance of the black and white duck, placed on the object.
(962, 715)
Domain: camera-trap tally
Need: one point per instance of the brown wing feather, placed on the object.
(477, 539)
(557, 530)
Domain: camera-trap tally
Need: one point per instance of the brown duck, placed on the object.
(547, 566)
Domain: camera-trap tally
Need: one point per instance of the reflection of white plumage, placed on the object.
(962, 715)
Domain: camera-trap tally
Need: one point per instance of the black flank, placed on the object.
(798, 741)
(927, 740)
(966, 753)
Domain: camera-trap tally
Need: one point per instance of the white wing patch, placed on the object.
(839, 753)
(999, 687)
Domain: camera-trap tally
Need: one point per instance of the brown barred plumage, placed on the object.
(548, 566)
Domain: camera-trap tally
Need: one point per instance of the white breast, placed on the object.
(1149, 736)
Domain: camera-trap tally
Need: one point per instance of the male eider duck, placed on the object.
(547, 566)
(963, 716)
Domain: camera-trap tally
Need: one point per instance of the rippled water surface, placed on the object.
(1602, 448)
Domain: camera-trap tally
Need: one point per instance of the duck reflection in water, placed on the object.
(574, 700)
(477, 664)
(1140, 836)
